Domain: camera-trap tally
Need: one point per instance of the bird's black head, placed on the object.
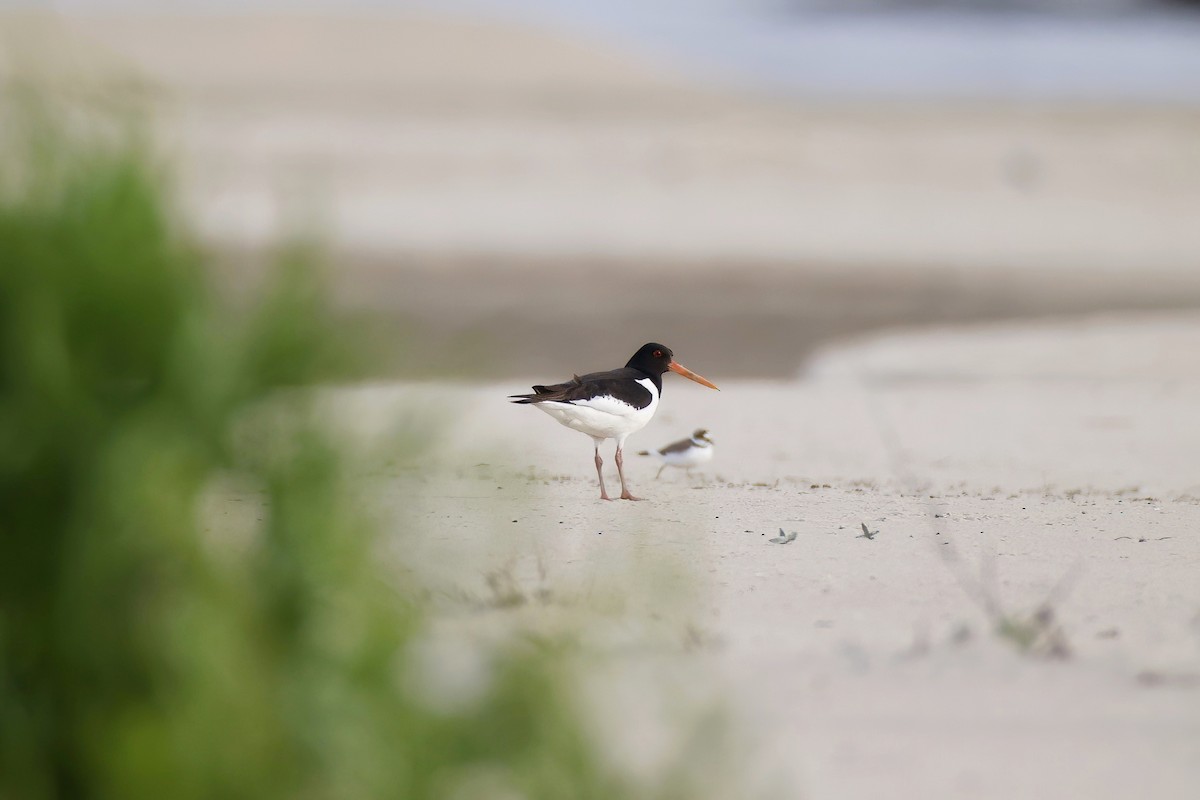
(652, 359)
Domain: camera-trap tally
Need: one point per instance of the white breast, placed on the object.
(604, 417)
(694, 456)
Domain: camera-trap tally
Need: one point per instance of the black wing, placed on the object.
(621, 384)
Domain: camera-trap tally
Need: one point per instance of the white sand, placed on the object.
(1051, 454)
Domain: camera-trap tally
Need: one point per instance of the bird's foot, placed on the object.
(625, 495)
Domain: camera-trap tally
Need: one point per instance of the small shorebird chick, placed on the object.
(686, 453)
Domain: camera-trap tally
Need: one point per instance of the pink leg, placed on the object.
(625, 495)
(600, 473)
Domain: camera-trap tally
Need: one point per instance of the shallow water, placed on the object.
(1110, 51)
(1146, 55)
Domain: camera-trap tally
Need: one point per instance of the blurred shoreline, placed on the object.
(516, 199)
(496, 317)
(1130, 50)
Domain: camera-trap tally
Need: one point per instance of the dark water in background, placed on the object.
(1092, 50)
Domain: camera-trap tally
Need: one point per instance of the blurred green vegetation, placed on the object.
(192, 601)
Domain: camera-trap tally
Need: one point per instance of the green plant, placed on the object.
(192, 600)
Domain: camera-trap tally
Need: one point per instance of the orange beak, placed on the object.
(675, 366)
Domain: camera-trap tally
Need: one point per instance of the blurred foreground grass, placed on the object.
(148, 644)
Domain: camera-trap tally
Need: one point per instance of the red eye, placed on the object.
(658, 353)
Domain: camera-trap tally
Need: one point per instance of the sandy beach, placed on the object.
(970, 327)
(859, 667)
(865, 667)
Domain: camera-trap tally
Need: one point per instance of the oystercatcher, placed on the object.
(686, 453)
(613, 404)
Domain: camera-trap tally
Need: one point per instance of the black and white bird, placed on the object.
(686, 453)
(613, 404)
